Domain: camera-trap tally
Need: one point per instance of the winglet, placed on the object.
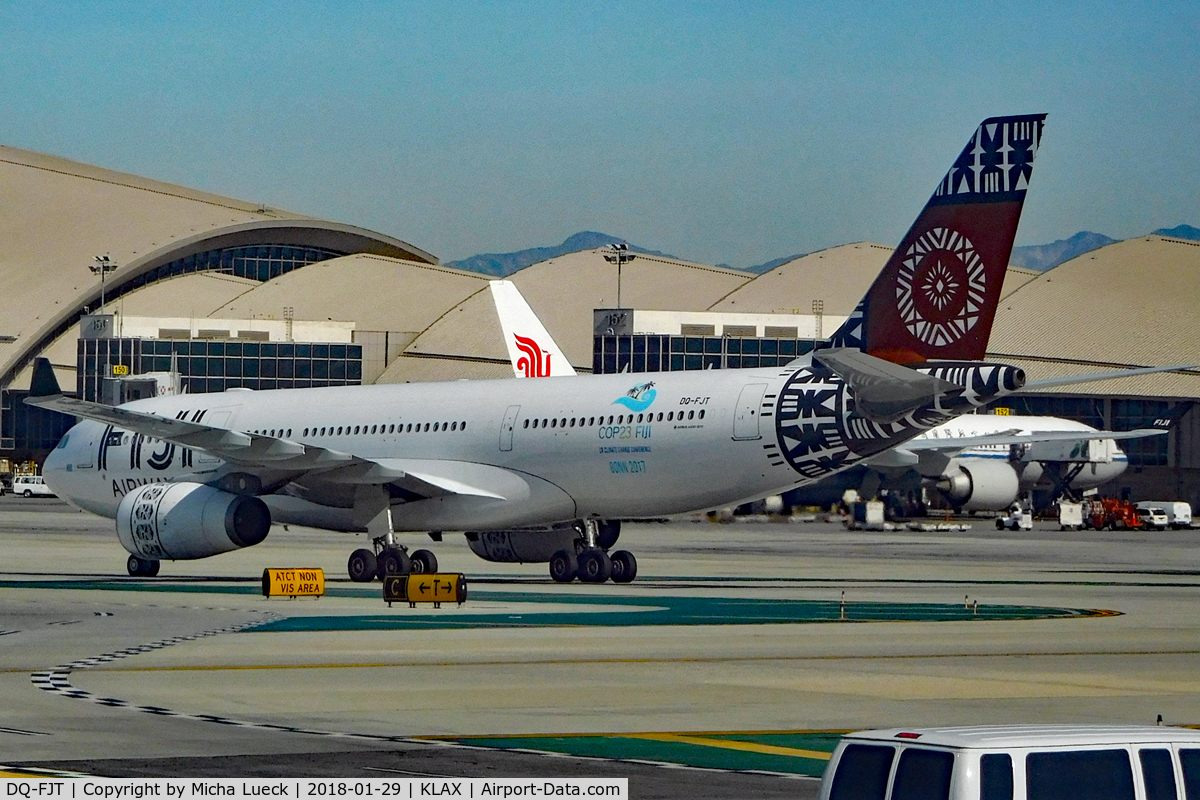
(43, 384)
(532, 352)
(1171, 417)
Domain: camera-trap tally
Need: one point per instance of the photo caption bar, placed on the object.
(86, 788)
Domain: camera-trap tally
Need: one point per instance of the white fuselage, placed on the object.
(1103, 462)
(593, 452)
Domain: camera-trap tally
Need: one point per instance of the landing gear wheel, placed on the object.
(362, 566)
(624, 567)
(563, 566)
(393, 561)
(142, 567)
(594, 566)
(423, 561)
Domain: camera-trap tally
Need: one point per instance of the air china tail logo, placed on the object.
(535, 362)
(638, 398)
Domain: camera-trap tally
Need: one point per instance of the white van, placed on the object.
(1153, 517)
(1179, 513)
(1073, 762)
(31, 486)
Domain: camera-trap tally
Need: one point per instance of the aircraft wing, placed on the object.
(931, 456)
(277, 458)
(952, 444)
(1046, 383)
(1015, 436)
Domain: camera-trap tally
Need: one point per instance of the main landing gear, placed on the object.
(142, 567)
(388, 558)
(590, 560)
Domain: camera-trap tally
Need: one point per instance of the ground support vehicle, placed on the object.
(31, 486)
(1070, 516)
(1109, 513)
(1179, 513)
(1017, 519)
(1015, 763)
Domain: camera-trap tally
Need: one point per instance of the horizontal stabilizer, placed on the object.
(883, 391)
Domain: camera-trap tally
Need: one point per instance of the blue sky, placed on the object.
(722, 133)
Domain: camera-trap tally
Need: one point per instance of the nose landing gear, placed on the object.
(590, 561)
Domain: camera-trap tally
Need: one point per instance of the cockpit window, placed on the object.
(62, 445)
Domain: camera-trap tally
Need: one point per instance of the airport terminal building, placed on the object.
(241, 295)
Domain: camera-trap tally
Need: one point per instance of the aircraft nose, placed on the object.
(58, 463)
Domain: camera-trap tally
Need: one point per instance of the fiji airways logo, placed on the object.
(638, 398)
(535, 362)
(941, 287)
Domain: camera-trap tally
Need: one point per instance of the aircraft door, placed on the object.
(506, 427)
(745, 417)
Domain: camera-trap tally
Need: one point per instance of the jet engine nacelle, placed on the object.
(188, 520)
(979, 485)
(524, 547)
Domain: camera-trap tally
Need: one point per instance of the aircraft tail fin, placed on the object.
(43, 383)
(532, 352)
(936, 297)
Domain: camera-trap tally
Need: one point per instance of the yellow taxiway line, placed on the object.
(729, 744)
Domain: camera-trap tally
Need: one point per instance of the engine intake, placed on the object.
(181, 521)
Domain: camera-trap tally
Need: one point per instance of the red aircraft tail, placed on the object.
(937, 295)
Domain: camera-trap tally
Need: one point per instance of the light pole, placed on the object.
(618, 254)
(102, 267)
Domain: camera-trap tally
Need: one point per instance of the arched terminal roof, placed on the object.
(838, 276)
(563, 292)
(375, 292)
(61, 214)
(1132, 303)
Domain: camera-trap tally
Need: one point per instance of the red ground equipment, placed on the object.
(1110, 513)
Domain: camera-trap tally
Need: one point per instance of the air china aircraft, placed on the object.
(990, 476)
(544, 470)
(985, 462)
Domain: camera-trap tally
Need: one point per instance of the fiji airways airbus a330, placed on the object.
(544, 470)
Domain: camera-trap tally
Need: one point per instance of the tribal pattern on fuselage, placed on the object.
(819, 431)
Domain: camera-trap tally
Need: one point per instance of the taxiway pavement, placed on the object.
(179, 675)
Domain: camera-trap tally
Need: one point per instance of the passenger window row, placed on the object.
(619, 419)
(367, 430)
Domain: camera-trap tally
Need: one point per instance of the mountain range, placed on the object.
(1039, 257)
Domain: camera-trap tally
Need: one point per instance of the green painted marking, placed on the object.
(696, 755)
(634, 611)
(667, 610)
